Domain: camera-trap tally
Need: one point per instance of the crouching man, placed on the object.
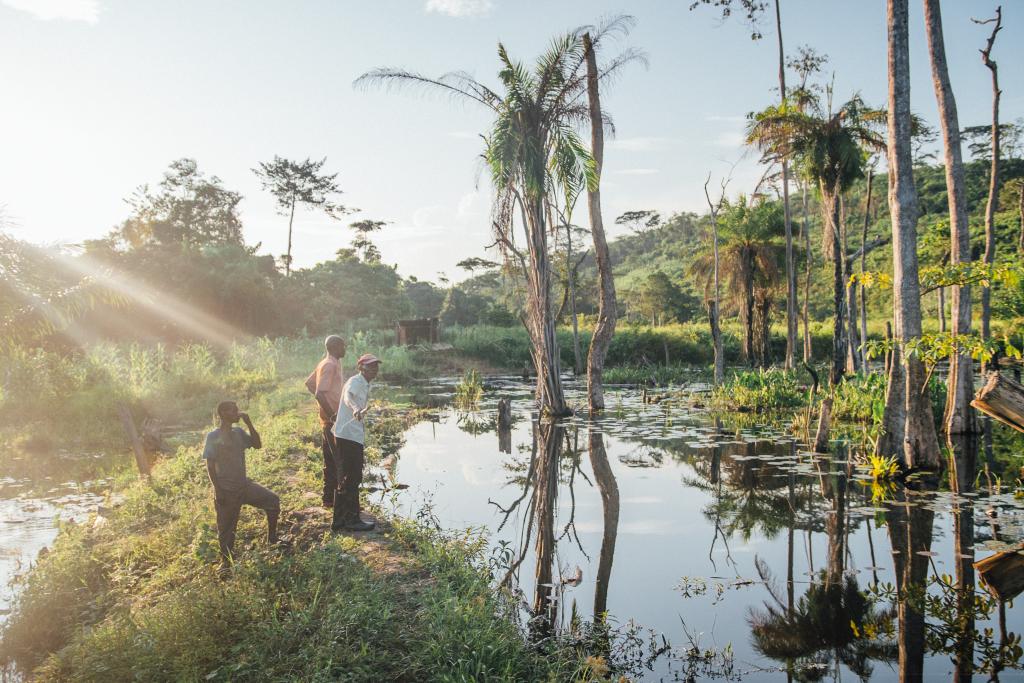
(351, 435)
(224, 454)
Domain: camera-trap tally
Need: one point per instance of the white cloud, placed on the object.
(67, 10)
(464, 135)
(641, 144)
(637, 171)
(460, 8)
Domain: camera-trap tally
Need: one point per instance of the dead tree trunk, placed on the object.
(920, 446)
(1003, 399)
(606, 311)
(958, 418)
(993, 185)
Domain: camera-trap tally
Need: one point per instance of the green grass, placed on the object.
(138, 598)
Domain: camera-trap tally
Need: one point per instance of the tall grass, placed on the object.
(71, 401)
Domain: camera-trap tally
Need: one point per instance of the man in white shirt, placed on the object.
(350, 433)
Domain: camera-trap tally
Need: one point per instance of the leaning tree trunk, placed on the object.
(920, 444)
(606, 312)
(958, 418)
(993, 183)
(830, 202)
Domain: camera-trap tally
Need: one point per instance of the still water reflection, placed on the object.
(754, 558)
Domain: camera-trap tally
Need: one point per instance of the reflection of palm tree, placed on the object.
(545, 501)
(609, 489)
(832, 618)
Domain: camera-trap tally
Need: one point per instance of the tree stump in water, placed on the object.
(1003, 399)
(1002, 574)
(824, 424)
(504, 414)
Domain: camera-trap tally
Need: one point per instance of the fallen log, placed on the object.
(1002, 574)
(1003, 399)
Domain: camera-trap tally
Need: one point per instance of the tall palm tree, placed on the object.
(748, 257)
(828, 147)
(535, 160)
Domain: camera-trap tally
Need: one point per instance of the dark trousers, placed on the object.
(349, 459)
(229, 506)
(330, 466)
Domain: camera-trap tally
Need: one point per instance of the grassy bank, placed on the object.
(137, 597)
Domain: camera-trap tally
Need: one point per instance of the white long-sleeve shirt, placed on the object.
(355, 396)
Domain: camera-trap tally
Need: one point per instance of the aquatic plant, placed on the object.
(470, 390)
(882, 467)
(759, 390)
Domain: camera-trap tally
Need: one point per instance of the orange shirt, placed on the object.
(327, 379)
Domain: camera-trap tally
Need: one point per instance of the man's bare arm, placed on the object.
(254, 436)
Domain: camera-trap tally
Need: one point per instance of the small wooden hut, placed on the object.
(421, 331)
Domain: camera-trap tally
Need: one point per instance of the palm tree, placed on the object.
(536, 160)
(827, 146)
(748, 257)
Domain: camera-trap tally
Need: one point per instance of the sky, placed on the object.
(99, 96)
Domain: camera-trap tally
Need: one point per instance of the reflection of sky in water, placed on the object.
(28, 523)
(667, 534)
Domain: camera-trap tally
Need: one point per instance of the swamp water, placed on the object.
(717, 552)
(30, 517)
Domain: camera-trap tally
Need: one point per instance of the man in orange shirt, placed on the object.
(325, 384)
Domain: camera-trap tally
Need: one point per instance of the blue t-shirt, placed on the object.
(225, 458)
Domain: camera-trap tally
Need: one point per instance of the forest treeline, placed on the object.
(181, 251)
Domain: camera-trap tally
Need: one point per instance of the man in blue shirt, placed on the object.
(224, 454)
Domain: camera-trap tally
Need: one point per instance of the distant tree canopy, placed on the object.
(187, 208)
(179, 256)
